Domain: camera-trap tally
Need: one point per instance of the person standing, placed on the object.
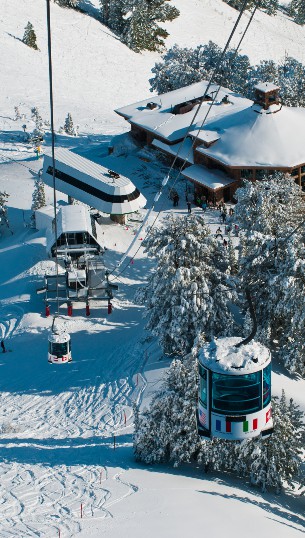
(176, 199)
(189, 207)
(3, 346)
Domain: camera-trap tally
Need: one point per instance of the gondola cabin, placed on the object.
(234, 396)
(59, 348)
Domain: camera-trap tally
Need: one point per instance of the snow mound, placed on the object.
(222, 355)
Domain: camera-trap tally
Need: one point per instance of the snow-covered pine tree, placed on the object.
(181, 67)
(38, 197)
(189, 291)
(272, 263)
(4, 196)
(297, 11)
(113, 13)
(39, 124)
(141, 29)
(29, 37)
(167, 430)
(68, 126)
(272, 462)
(269, 6)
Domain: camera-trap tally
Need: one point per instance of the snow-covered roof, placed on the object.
(205, 135)
(91, 183)
(259, 138)
(266, 87)
(59, 337)
(161, 121)
(212, 179)
(73, 219)
(222, 356)
(185, 151)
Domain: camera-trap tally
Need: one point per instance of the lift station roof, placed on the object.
(91, 183)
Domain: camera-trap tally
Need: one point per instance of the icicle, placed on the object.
(156, 198)
(165, 180)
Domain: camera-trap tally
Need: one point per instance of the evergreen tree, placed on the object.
(69, 126)
(182, 66)
(189, 290)
(141, 31)
(113, 13)
(271, 462)
(167, 431)
(4, 196)
(29, 37)
(297, 11)
(269, 6)
(39, 124)
(272, 263)
(38, 197)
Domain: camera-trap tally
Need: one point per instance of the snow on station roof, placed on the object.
(91, 183)
(73, 219)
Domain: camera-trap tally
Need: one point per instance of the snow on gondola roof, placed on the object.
(221, 356)
(163, 123)
(59, 337)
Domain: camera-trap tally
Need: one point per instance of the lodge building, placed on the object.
(233, 138)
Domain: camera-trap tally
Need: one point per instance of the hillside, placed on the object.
(94, 73)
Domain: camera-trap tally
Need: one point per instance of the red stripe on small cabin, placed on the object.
(255, 421)
(228, 427)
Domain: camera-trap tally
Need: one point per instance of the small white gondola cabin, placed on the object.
(234, 400)
(59, 351)
(77, 233)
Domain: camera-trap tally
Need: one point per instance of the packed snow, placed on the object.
(66, 432)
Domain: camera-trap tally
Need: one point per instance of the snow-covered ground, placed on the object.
(57, 424)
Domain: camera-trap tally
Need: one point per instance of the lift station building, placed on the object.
(92, 184)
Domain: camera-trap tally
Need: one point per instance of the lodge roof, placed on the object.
(163, 123)
(255, 137)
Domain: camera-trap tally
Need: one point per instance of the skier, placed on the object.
(3, 346)
(189, 207)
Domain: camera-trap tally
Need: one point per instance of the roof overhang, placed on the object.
(213, 180)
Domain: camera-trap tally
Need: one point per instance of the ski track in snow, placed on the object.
(38, 499)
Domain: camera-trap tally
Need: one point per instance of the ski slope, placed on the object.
(57, 424)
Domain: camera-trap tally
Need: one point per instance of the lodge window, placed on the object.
(261, 174)
(246, 173)
(294, 172)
